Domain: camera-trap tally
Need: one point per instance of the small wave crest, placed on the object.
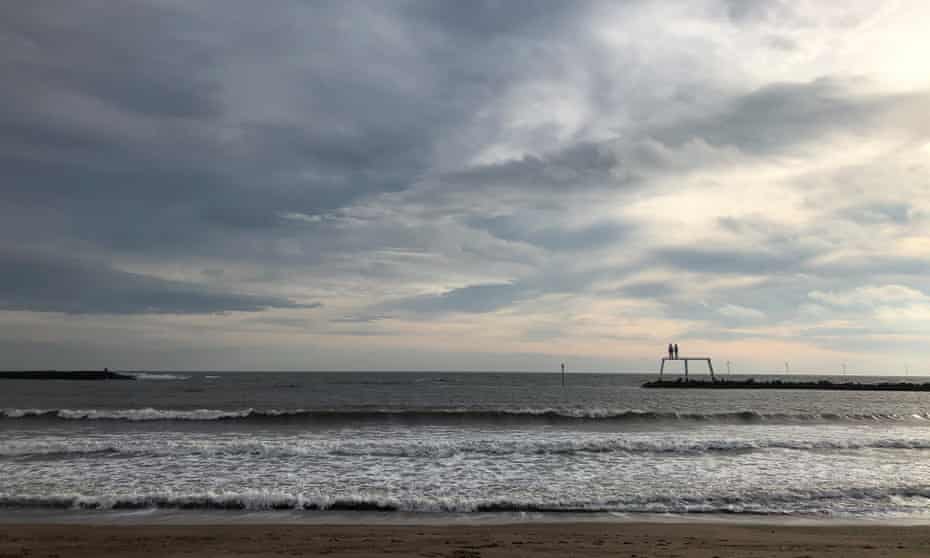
(146, 414)
(42, 450)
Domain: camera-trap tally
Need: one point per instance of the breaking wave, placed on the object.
(463, 414)
(824, 501)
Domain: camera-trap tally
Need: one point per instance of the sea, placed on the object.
(263, 446)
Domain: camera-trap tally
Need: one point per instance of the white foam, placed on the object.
(439, 449)
(152, 376)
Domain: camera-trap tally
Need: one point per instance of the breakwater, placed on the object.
(781, 384)
(65, 375)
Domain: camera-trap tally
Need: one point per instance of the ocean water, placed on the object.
(463, 443)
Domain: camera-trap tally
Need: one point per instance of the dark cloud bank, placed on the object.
(76, 287)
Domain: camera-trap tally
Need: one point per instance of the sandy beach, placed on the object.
(640, 540)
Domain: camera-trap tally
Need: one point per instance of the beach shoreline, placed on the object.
(183, 517)
(539, 539)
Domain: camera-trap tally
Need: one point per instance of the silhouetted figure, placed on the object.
(675, 350)
(671, 351)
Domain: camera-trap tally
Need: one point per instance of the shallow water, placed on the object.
(461, 444)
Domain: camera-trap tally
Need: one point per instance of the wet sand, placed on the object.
(640, 540)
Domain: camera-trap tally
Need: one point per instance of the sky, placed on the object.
(482, 185)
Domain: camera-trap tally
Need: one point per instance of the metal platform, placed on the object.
(710, 365)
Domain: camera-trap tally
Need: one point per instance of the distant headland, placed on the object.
(104, 374)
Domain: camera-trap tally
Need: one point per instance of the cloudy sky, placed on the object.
(483, 185)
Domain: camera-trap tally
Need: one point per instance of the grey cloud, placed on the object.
(871, 265)
(614, 164)
(168, 167)
(544, 332)
(128, 66)
(878, 213)
(747, 11)
(287, 322)
(705, 333)
(470, 299)
(770, 300)
(788, 263)
(842, 332)
(210, 175)
(809, 250)
(649, 289)
(874, 342)
(42, 284)
(722, 260)
(573, 168)
(328, 138)
(781, 116)
(781, 43)
(490, 297)
(568, 278)
(488, 18)
(763, 248)
(772, 120)
(364, 332)
(361, 318)
(779, 299)
(196, 170)
(552, 237)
